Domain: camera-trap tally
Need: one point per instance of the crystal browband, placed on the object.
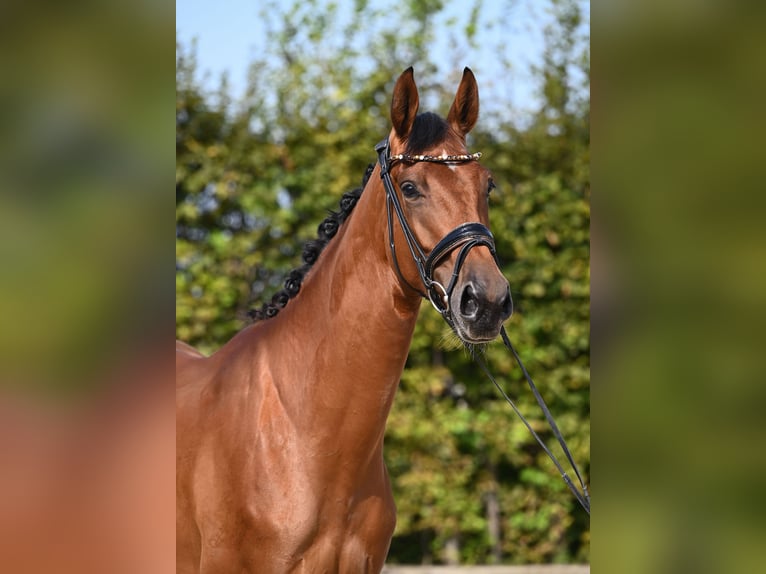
(436, 158)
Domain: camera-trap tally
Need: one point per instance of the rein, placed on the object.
(582, 497)
(466, 237)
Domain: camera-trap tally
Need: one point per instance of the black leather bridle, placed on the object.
(466, 236)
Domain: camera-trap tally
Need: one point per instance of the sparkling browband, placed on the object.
(437, 158)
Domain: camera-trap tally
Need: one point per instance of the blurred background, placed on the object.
(678, 284)
(87, 401)
(278, 107)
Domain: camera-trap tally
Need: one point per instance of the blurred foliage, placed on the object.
(678, 288)
(255, 177)
(83, 162)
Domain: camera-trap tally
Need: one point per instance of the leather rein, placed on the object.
(466, 237)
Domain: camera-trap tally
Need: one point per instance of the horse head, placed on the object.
(439, 193)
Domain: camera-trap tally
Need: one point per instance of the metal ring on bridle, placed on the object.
(444, 296)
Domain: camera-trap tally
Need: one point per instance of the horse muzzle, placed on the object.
(477, 299)
(480, 305)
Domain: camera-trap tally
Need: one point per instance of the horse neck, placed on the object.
(350, 330)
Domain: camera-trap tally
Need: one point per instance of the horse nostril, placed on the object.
(507, 304)
(469, 304)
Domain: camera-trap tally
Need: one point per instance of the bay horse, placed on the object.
(280, 432)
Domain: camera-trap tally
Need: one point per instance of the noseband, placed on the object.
(465, 236)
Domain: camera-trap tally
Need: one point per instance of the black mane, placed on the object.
(428, 129)
(311, 250)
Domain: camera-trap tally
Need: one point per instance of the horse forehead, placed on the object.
(466, 174)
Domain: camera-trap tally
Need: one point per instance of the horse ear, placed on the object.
(404, 104)
(465, 109)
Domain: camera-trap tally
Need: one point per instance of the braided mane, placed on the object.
(427, 130)
(311, 251)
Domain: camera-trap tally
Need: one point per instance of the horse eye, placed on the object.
(409, 190)
(490, 187)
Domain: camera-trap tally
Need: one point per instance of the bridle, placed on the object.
(466, 236)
